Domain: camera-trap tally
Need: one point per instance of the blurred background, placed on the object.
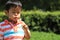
(45, 5)
(42, 17)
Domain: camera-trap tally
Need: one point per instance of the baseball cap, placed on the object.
(16, 2)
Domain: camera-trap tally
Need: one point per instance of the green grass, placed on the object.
(44, 36)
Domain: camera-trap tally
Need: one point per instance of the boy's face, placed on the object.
(14, 13)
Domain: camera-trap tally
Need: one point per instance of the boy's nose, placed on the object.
(15, 14)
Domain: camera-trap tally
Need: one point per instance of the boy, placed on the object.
(13, 28)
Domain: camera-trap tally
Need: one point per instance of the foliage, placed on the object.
(41, 21)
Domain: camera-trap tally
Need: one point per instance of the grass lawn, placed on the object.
(44, 36)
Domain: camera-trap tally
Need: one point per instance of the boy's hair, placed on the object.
(12, 3)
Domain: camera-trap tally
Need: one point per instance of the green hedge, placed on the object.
(41, 21)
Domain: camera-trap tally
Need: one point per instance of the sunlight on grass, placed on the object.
(44, 36)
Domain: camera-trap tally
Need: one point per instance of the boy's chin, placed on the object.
(16, 20)
(13, 20)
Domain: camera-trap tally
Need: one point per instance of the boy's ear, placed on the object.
(6, 12)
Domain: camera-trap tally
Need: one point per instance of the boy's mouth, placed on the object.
(16, 18)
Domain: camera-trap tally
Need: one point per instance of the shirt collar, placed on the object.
(7, 22)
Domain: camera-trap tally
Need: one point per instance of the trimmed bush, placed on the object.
(41, 21)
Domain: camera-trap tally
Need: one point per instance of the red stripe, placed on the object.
(7, 29)
(14, 37)
(1, 35)
(1, 30)
(3, 24)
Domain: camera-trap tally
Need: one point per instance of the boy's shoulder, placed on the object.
(2, 22)
(23, 23)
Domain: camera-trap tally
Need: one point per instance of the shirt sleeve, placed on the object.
(1, 33)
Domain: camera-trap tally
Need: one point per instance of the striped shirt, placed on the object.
(8, 32)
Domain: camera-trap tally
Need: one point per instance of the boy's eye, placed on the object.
(13, 12)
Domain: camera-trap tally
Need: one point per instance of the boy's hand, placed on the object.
(27, 32)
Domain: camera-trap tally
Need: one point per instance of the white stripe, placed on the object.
(16, 39)
(1, 32)
(7, 26)
(10, 30)
(1, 38)
(19, 25)
(20, 29)
(2, 22)
(0, 26)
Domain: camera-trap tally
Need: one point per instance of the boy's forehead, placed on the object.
(15, 8)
